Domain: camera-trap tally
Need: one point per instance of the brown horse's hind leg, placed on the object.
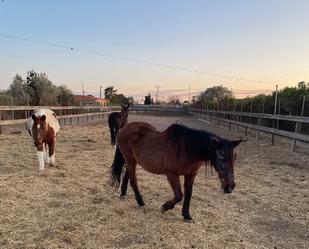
(131, 168)
(175, 184)
(124, 185)
(188, 184)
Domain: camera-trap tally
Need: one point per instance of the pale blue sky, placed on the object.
(263, 40)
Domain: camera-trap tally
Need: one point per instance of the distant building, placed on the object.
(86, 100)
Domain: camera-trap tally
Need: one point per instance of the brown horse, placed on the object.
(178, 150)
(116, 120)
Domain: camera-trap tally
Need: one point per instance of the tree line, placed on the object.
(290, 100)
(36, 89)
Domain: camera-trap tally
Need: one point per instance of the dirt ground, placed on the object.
(72, 205)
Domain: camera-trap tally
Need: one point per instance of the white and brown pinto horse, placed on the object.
(43, 127)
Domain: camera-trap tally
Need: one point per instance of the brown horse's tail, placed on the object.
(117, 168)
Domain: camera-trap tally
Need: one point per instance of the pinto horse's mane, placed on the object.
(196, 143)
(50, 118)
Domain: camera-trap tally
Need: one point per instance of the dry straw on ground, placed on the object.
(72, 205)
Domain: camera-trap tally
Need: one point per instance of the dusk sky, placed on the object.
(258, 43)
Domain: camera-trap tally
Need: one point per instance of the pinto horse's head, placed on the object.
(39, 130)
(223, 162)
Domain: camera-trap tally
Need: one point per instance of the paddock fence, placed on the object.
(17, 116)
(160, 109)
(258, 123)
(295, 128)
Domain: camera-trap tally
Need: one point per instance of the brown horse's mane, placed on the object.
(196, 143)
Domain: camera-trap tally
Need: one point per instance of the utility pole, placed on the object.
(157, 93)
(100, 92)
(189, 94)
(83, 89)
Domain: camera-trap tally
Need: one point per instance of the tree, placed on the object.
(17, 91)
(40, 89)
(5, 98)
(292, 97)
(131, 100)
(216, 93)
(148, 100)
(65, 96)
(110, 92)
(119, 99)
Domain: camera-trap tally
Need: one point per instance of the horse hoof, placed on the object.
(188, 221)
(162, 209)
(141, 206)
(122, 197)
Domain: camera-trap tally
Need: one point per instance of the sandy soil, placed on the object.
(72, 206)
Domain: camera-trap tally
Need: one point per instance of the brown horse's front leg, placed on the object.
(124, 185)
(188, 185)
(174, 181)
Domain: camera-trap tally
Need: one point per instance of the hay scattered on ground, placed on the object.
(72, 205)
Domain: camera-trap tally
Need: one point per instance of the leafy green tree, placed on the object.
(292, 98)
(41, 89)
(148, 100)
(131, 100)
(110, 92)
(119, 99)
(215, 93)
(5, 98)
(18, 91)
(65, 96)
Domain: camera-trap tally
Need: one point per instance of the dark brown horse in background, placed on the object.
(116, 120)
(178, 150)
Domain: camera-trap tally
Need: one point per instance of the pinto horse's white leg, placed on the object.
(45, 150)
(52, 159)
(41, 160)
(51, 148)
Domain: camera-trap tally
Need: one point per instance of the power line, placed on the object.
(136, 60)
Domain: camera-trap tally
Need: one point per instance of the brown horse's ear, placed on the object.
(43, 118)
(235, 143)
(215, 141)
(34, 117)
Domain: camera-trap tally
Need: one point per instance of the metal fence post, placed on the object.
(275, 111)
(298, 124)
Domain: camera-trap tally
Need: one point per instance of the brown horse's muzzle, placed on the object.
(229, 188)
(228, 184)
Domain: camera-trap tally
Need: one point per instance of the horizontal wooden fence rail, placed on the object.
(159, 109)
(301, 119)
(31, 108)
(22, 112)
(295, 136)
(63, 118)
